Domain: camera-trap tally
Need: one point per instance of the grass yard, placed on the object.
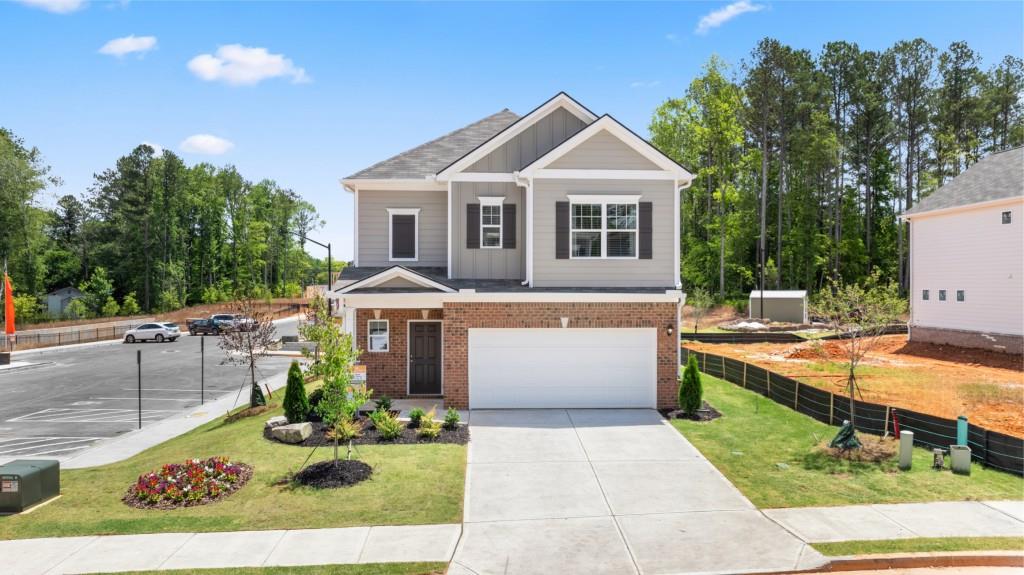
(768, 451)
(920, 545)
(411, 484)
(364, 569)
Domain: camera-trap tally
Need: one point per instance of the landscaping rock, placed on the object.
(276, 421)
(294, 433)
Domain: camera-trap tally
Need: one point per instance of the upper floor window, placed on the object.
(942, 295)
(377, 335)
(490, 222)
(924, 294)
(1007, 217)
(960, 296)
(603, 227)
(403, 234)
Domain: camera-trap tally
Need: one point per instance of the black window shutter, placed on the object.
(508, 226)
(562, 230)
(646, 250)
(403, 236)
(472, 226)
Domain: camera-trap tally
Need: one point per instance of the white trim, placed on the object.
(562, 100)
(355, 226)
(963, 208)
(502, 177)
(408, 356)
(413, 184)
(391, 273)
(528, 201)
(449, 218)
(369, 335)
(437, 300)
(416, 230)
(579, 174)
(491, 201)
(612, 126)
(604, 202)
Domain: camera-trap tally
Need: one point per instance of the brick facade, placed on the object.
(387, 371)
(459, 317)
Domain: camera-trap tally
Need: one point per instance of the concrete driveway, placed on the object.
(606, 491)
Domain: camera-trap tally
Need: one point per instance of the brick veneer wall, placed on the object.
(459, 317)
(387, 371)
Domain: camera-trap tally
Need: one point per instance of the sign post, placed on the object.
(138, 360)
(202, 370)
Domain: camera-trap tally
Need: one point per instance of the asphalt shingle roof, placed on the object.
(998, 176)
(429, 158)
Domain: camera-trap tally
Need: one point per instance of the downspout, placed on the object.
(675, 233)
(527, 184)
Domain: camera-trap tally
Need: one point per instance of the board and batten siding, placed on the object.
(548, 271)
(486, 263)
(373, 225)
(970, 250)
(534, 142)
(600, 151)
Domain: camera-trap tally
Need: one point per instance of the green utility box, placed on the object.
(26, 482)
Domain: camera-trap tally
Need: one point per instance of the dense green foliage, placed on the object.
(803, 161)
(152, 231)
(296, 404)
(691, 393)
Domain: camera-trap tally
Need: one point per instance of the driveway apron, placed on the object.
(606, 491)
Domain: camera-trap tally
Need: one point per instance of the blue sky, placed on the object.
(338, 86)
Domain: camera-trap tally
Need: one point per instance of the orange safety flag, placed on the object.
(8, 306)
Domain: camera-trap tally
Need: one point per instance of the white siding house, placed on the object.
(967, 258)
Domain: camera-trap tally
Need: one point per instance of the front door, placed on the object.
(424, 358)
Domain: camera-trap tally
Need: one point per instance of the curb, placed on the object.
(920, 561)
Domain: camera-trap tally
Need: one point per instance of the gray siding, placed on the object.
(398, 283)
(373, 225)
(486, 263)
(537, 140)
(603, 150)
(659, 271)
(778, 309)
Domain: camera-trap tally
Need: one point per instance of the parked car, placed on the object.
(158, 332)
(225, 321)
(191, 320)
(203, 326)
(243, 323)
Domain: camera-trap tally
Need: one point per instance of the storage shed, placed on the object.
(779, 305)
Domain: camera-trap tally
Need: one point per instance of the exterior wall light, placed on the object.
(670, 329)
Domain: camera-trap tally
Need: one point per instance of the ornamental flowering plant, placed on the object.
(195, 482)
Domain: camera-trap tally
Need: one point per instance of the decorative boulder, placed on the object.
(277, 421)
(294, 433)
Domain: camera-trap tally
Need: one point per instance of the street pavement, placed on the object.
(71, 397)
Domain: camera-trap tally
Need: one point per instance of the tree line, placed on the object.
(804, 161)
(150, 234)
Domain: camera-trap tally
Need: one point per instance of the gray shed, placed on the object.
(788, 306)
(58, 300)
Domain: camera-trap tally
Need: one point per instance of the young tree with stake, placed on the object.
(249, 342)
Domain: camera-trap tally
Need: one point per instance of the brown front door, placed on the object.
(425, 358)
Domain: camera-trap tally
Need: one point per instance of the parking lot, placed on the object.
(75, 396)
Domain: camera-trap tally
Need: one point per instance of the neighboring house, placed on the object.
(789, 306)
(58, 300)
(520, 262)
(967, 258)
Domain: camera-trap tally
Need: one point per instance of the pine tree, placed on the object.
(296, 404)
(691, 393)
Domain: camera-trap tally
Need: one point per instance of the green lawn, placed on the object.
(768, 451)
(365, 569)
(920, 545)
(411, 484)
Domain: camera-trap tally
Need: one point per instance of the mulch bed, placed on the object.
(458, 436)
(705, 413)
(243, 477)
(327, 474)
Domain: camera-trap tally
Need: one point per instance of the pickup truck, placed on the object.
(203, 326)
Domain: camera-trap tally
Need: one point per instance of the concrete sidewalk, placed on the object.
(116, 553)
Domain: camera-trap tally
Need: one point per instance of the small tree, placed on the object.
(859, 314)
(111, 308)
(691, 392)
(701, 301)
(296, 404)
(129, 305)
(96, 291)
(249, 343)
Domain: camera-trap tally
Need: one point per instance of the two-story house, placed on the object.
(520, 262)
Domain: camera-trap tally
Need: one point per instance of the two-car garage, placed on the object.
(562, 368)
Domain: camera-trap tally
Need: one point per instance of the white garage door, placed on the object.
(522, 368)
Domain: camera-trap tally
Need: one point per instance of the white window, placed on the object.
(960, 295)
(378, 335)
(1007, 217)
(942, 295)
(604, 227)
(924, 295)
(403, 234)
(490, 226)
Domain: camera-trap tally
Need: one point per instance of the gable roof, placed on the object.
(996, 177)
(426, 159)
(410, 275)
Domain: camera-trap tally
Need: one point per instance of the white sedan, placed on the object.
(158, 332)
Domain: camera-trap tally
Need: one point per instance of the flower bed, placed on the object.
(195, 482)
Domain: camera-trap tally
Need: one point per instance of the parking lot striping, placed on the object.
(151, 398)
(44, 443)
(93, 415)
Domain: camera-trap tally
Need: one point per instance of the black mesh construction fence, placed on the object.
(990, 448)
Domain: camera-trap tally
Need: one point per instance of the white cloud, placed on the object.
(206, 144)
(718, 17)
(642, 84)
(241, 65)
(55, 6)
(158, 150)
(672, 37)
(129, 44)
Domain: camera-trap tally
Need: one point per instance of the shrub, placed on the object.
(416, 416)
(428, 427)
(129, 305)
(690, 391)
(194, 482)
(110, 309)
(383, 403)
(387, 424)
(451, 418)
(346, 430)
(296, 404)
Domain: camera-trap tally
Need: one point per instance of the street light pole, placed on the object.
(329, 262)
